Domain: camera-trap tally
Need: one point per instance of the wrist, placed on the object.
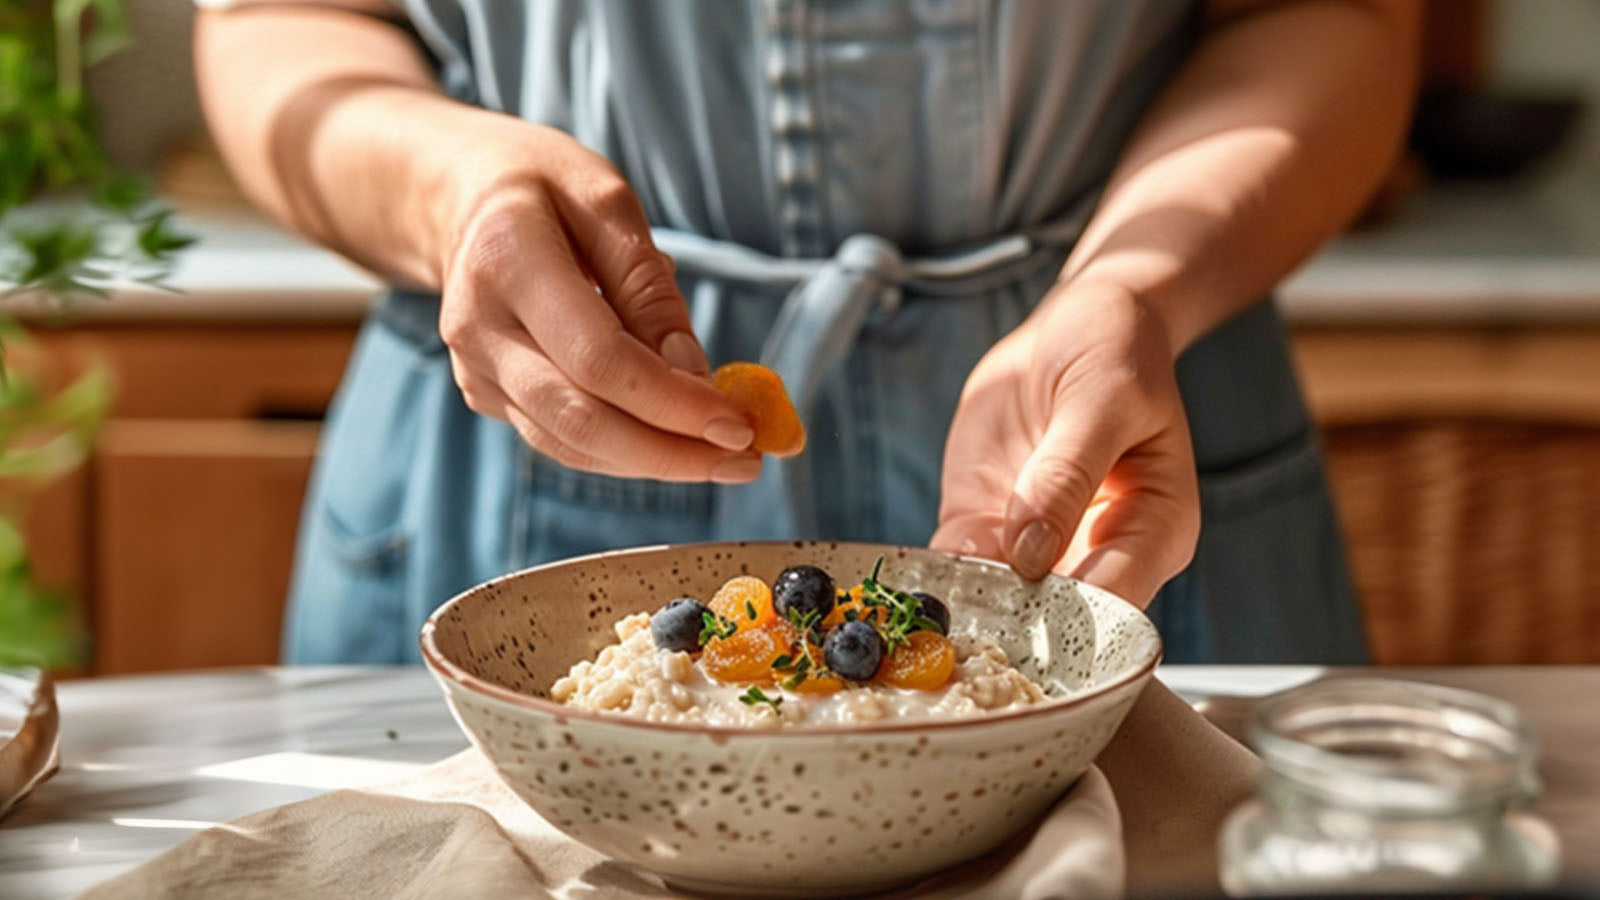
(1092, 305)
(468, 158)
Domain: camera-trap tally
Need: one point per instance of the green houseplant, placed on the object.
(71, 228)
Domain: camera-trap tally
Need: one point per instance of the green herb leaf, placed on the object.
(806, 624)
(715, 626)
(158, 239)
(123, 193)
(783, 662)
(48, 143)
(750, 610)
(905, 612)
(754, 695)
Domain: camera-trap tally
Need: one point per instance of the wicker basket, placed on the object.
(1473, 541)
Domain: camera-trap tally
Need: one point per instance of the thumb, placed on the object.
(1054, 489)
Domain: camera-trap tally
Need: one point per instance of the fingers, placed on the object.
(520, 267)
(970, 535)
(609, 227)
(483, 397)
(578, 429)
(1144, 529)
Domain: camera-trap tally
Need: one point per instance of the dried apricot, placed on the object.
(815, 679)
(744, 658)
(923, 663)
(759, 392)
(849, 600)
(746, 601)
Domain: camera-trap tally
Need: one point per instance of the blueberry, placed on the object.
(934, 608)
(803, 591)
(677, 625)
(854, 650)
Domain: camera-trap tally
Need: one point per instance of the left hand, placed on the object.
(1070, 449)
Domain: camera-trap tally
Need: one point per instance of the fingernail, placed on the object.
(736, 469)
(1037, 549)
(682, 351)
(729, 434)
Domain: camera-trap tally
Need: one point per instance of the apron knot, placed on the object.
(824, 313)
(877, 261)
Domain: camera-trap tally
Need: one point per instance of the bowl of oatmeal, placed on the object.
(788, 719)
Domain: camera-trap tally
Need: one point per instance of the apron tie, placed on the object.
(822, 316)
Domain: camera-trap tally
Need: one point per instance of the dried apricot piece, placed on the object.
(814, 679)
(851, 600)
(744, 658)
(759, 393)
(746, 601)
(923, 663)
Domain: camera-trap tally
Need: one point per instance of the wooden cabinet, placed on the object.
(193, 534)
(178, 536)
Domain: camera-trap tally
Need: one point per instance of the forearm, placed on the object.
(1267, 141)
(332, 123)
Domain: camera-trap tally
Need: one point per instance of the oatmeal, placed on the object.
(800, 652)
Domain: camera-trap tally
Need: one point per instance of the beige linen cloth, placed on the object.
(455, 830)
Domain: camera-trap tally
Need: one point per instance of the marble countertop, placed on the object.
(147, 761)
(1523, 251)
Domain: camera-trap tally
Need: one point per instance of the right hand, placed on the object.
(563, 319)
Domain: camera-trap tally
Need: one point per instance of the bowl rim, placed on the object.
(448, 670)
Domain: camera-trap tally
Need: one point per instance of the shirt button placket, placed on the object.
(797, 159)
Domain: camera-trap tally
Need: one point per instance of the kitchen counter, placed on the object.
(147, 761)
(1523, 251)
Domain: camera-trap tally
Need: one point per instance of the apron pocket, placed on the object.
(1269, 581)
(1262, 480)
(372, 439)
(352, 565)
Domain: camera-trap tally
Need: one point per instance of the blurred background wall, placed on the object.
(1549, 45)
(1449, 345)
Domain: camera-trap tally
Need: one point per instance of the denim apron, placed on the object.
(865, 195)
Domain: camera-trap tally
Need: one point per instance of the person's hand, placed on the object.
(562, 318)
(1070, 450)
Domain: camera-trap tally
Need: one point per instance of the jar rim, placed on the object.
(1393, 746)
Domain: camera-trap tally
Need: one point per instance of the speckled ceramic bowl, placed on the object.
(802, 811)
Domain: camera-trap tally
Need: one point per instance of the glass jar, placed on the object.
(1374, 785)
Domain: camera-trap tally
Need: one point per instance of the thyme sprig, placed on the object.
(754, 696)
(799, 666)
(805, 623)
(714, 625)
(905, 613)
(797, 669)
(801, 662)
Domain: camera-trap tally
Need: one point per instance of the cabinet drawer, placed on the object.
(194, 538)
(198, 371)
